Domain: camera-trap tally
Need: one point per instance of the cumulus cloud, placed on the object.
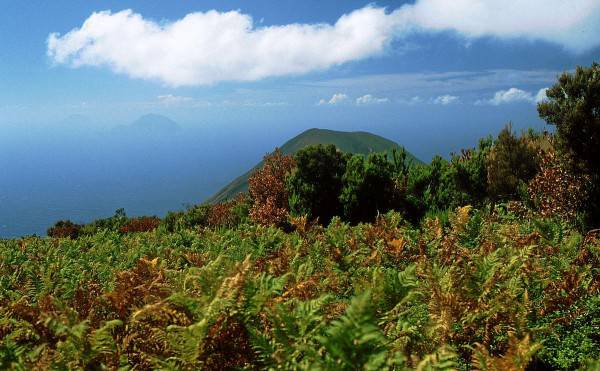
(207, 47)
(369, 99)
(335, 99)
(445, 100)
(573, 24)
(514, 95)
(204, 48)
(510, 96)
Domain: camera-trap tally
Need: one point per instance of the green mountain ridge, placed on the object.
(359, 142)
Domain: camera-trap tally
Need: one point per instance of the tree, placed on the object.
(470, 173)
(268, 190)
(316, 183)
(573, 106)
(430, 188)
(510, 165)
(368, 187)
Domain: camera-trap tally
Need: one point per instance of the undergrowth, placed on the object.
(475, 289)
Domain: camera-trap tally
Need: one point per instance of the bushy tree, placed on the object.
(194, 216)
(63, 229)
(470, 173)
(430, 188)
(511, 163)
(268, 190)
(573, 106)
(368, 187)
(113, 223)
(316, 183)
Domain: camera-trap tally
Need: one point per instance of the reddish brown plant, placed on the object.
(141, 224)
(268, 192)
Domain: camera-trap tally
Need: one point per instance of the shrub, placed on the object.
(556, 191)
(430, 188)
(316, 183)
(511, 162)
(195, 216)
(268, 190)
(141, 224)
(113, 223)
(573, 106)
(229, 213)
(470, 173)
(64, 229)
(368, 187)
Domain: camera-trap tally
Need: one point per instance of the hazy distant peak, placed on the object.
(152, 120)
(150, 124)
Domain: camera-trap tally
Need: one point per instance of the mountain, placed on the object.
(150, 124)
(351, 142)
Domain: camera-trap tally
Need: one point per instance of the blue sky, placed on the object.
(387, 66)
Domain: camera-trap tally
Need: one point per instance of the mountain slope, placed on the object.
(352, 142)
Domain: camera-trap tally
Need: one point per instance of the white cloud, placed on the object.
(511, 95)
(369, 99)
(541, 95)
(173, 99)
(335, 99)
(514, 95)
(207, 47)
(204, 48)
(573, 24)
(446, 99)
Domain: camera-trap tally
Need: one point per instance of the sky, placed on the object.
(450, 69)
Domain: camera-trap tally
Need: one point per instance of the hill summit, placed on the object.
(359, 142)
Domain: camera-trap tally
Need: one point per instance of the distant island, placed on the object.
(149, 124)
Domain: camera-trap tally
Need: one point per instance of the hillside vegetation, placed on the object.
(349, 142)
(337, 261)
(493, 288)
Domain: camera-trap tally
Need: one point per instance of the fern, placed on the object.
(102, 339)
(354, 340)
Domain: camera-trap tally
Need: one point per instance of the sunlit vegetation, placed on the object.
(488, 261)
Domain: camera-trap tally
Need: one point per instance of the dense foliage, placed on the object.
(488, 261)
(573, 106)
(495, 171)
(316, 183)
(268, 190)
(367, 187)
(492, 288)
(511, 163)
